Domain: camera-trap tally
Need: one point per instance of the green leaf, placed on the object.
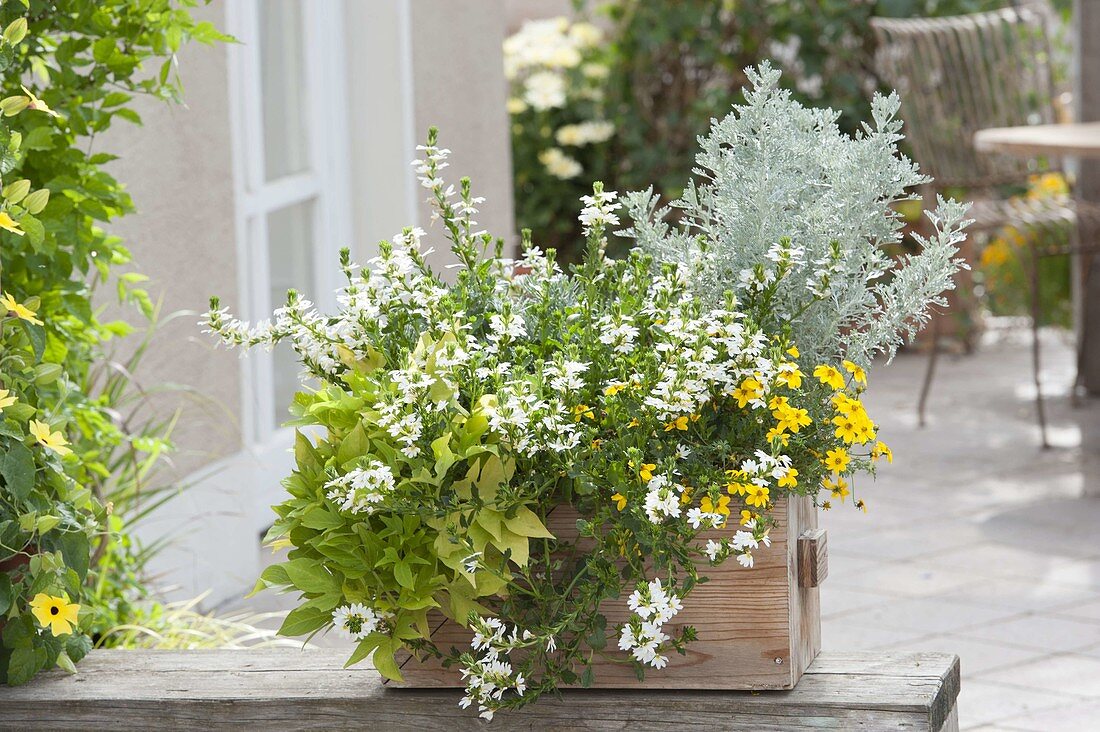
(364, 648)
(24, 664)
(77, 646)
(403, 573)
(305, 454)
(384, 660)
(6, 592)
(354, 445)
(103, 49)
(76, 550)
(309, 576)
(18, 470)
(302, 620)
(321, 518)
(527, 523)
(66, 663)
(37, 336)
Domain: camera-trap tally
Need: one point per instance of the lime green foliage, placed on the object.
(668, 68)
(71, 69)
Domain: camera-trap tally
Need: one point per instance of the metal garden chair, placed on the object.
(958, 75)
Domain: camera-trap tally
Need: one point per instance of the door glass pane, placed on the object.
(290, 261)
(283, 82)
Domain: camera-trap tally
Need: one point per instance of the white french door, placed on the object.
(287, 90)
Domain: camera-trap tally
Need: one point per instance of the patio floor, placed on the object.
(977, 542)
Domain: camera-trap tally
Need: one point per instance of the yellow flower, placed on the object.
(596, 443)
(839, 488)
(861, 505)
(790, 418)
(847, 428)
(749, 390)
(21, 311)
(738, 489)
(633, 423)
(8, 224)
(793, 351)
(53, 440)
(757, 496)
(837, 460)
(685, 497)
(777, 402)
(620, 501)
(778, 432)
(614, 388)
(708, 506)
(680, 423)
(829, 375)
(856, 371)
(845, 404)
(747, 516)
(6, 400)
(646, 473)
(582, 411)
(790, 480)
(55, 613)
(789, 375)
(881, 450)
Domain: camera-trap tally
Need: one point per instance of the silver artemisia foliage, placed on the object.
(792, 215)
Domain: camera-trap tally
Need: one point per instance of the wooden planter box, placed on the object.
(758, 628)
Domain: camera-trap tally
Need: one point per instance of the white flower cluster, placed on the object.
(662, 501)
(599, 211)
(585, 133)
(558, 164)
(551, 44)
(741, 544)
(357, 621)
(653, 606)
(490, 676)
(361, 489)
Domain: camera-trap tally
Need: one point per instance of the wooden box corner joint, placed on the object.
(813, 558)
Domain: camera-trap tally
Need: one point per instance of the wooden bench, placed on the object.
(285, 688)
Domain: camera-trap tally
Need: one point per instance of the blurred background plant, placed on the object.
(1005, 263)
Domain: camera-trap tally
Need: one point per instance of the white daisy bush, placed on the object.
(453, 417)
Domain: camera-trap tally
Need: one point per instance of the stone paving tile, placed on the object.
(976, 656)
(1024, 595)
(836, 633)
(1043, 633)
(927, 615)
(836, 601)
(917, 578)
(1074, 716)
(1088, 610)
(1067, 673)
(988, 703)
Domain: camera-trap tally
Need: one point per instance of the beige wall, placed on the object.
(459, 87)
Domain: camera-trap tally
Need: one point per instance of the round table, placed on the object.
(1080, 140)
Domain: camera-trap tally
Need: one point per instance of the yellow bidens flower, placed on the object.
(790, 480)
(55, 613)
(881, 450)
(857, 372)
(778, 432)
(791, 418)
(7, 223)
(837, 460)
(722, 507)
(680, 423)
(750, 389)
(829, 375)
(583, 411)
(793, 352)
(21, 311)
(747, 516)
(852, 423)
(53, 440)
(6, 399)
(789, 375)
(620, 501)
(646, 471)
(838, 487)
(756, 495)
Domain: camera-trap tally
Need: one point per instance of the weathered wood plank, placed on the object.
(813, 558)
(310, 689)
